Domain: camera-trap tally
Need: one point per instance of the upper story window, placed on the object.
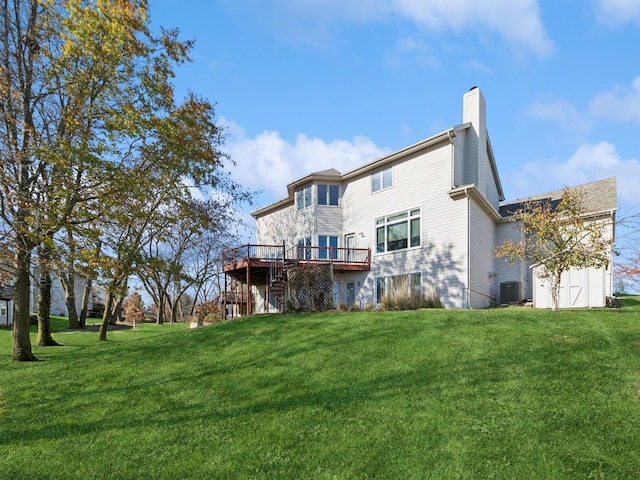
(303, 197)
(398, 231)
(381, 180)
(328, 194)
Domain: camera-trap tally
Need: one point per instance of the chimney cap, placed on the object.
(473, 88)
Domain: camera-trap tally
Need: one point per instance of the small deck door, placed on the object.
(351, 293)
(350, 243)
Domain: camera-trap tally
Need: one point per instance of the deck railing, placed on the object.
(341, 255)
(264, 253)
(297, 254)
(7, 290)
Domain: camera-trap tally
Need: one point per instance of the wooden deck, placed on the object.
(7, 292)
(267, 264)
(261, 258)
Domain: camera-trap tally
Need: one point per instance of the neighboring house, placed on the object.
(6, 305)
(425, 219)
(58, 298)
(58, 302)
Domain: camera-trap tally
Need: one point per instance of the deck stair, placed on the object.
(277, 281)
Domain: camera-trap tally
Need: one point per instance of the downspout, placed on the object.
(450, 135)
(468, 250)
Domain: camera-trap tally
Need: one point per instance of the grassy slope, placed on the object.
(510, 393)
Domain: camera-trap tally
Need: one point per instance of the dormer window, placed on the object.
(328, 194)
(303, 197)
(381, 180)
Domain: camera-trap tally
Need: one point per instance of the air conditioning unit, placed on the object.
(510, 292)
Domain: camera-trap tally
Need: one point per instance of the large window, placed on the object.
(398, 231)
(327, 247)
(381, 180)
(407, 285)
(303, 197)
(328, 194)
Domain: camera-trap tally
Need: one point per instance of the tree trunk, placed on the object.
(179, 310)
(116, 314)
(104, 326)
(21, 325)
(160, 309)
(70, 299)
(74, 321)
(85, 302)
(45, 339)
(555, 290)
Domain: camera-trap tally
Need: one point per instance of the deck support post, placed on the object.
(249, 312)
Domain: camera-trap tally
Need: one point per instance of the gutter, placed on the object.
(446, 136)
(471, 191)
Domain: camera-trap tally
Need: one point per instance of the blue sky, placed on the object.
(305, 85)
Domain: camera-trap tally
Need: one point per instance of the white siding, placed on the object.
(481, 246)
(512, 272)
(458, 146)
(420, 181)
(329, 221)
(277, 227)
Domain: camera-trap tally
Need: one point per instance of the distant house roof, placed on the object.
(599, 196)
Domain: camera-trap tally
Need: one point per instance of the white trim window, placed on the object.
(382, 180)
(303, 197)
(327, 247)
(304, 248)
(328, 194)
(398, 231)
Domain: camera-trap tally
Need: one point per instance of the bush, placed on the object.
(209, 312)
(410, 302)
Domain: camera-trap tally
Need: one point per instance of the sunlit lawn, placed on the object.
(506, 393)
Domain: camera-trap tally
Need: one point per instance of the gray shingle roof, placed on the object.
(599, 196)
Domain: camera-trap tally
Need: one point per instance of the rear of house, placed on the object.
(424, 220)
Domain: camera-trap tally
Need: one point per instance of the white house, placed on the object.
(425, 218)
(58, 301)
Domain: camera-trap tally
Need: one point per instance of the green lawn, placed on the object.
(506, 393)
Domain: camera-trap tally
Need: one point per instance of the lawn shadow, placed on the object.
(630, 301)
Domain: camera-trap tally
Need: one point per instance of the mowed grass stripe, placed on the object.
(504, 393)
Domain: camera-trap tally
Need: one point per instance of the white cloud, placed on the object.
(269, 163)
(561, 112)
(615, 12)
(517, 21)
(589, 163)
(621, 103)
